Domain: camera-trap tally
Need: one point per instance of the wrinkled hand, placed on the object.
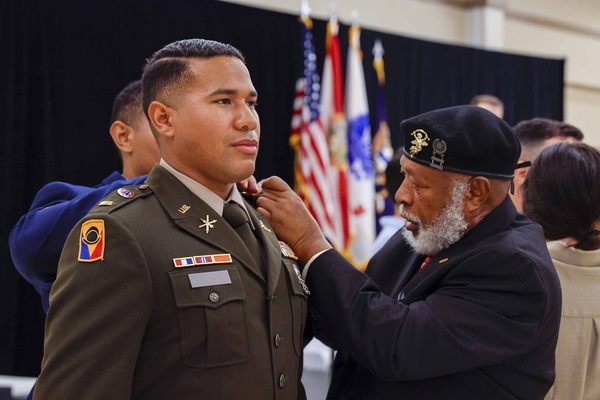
(289, 217)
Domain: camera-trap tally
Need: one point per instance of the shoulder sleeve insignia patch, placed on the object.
(92, 241)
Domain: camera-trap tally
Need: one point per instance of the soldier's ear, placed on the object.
(121, 135)
(161, 117)
(477, 193)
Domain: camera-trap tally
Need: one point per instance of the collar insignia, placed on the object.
(207, 223)
(262, 225)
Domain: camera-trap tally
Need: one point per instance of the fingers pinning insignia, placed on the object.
(92, 241)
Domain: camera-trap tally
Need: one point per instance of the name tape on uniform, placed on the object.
(211, 278)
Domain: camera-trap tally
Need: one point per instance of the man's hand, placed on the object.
(248, 186)
(289, 217)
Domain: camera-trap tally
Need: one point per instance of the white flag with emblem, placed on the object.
(361, 176)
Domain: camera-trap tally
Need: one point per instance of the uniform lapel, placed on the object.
(197, 218)
(271, 249)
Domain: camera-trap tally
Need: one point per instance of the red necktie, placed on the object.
(425, 262)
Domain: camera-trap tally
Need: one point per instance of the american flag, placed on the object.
(309, 139)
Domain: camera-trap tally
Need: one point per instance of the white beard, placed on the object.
(445, 230)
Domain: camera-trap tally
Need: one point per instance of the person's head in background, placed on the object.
(490, 103)
(562, 194)
(535, 135)
(131, 132)
(394, 178)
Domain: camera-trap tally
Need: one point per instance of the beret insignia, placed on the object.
(421, 139)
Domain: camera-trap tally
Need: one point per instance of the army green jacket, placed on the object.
(155, 299)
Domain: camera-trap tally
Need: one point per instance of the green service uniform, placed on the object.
(127, 322)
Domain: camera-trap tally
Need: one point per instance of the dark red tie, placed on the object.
(425, 262)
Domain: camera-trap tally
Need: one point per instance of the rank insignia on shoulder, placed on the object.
(92, 241)
(287, 251)
(124, 192)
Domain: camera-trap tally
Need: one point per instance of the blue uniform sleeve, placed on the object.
(36, 241)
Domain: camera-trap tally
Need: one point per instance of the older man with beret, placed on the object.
(463, 302)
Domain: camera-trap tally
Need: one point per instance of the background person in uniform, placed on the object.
(490, 103)
(463, 302)
(37, 239)
(175, 304)
(562, 194)
(535, 135)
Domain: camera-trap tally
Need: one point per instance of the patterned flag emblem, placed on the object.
(92, 241)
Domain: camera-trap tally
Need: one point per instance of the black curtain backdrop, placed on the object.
(63, 61)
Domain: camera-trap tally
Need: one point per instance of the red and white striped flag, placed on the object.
(309, 140)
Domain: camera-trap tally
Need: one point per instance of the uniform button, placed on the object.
(278, 340)
(283, 380)
(143, 186)
(214, 297)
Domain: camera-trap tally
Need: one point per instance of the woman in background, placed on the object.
(562, 194)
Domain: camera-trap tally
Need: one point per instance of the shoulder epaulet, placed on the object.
(121, 197)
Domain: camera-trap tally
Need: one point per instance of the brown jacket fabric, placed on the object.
(578, 348)
(133, 325)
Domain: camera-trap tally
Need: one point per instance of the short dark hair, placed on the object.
(533, 132)
(393, 176)
(562, 193)
(127, 106)
(167, 68)
(486, 98)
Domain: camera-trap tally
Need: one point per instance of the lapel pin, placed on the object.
(184, 208)
(443, 260)
(262, 225)
(207, 223)
(124, 192)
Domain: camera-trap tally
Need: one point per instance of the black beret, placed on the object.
(466, 139)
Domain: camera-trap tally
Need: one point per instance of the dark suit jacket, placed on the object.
(133, 325)
(480, 321)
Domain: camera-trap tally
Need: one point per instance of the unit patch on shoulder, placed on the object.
(92, 241)
(287, 251)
